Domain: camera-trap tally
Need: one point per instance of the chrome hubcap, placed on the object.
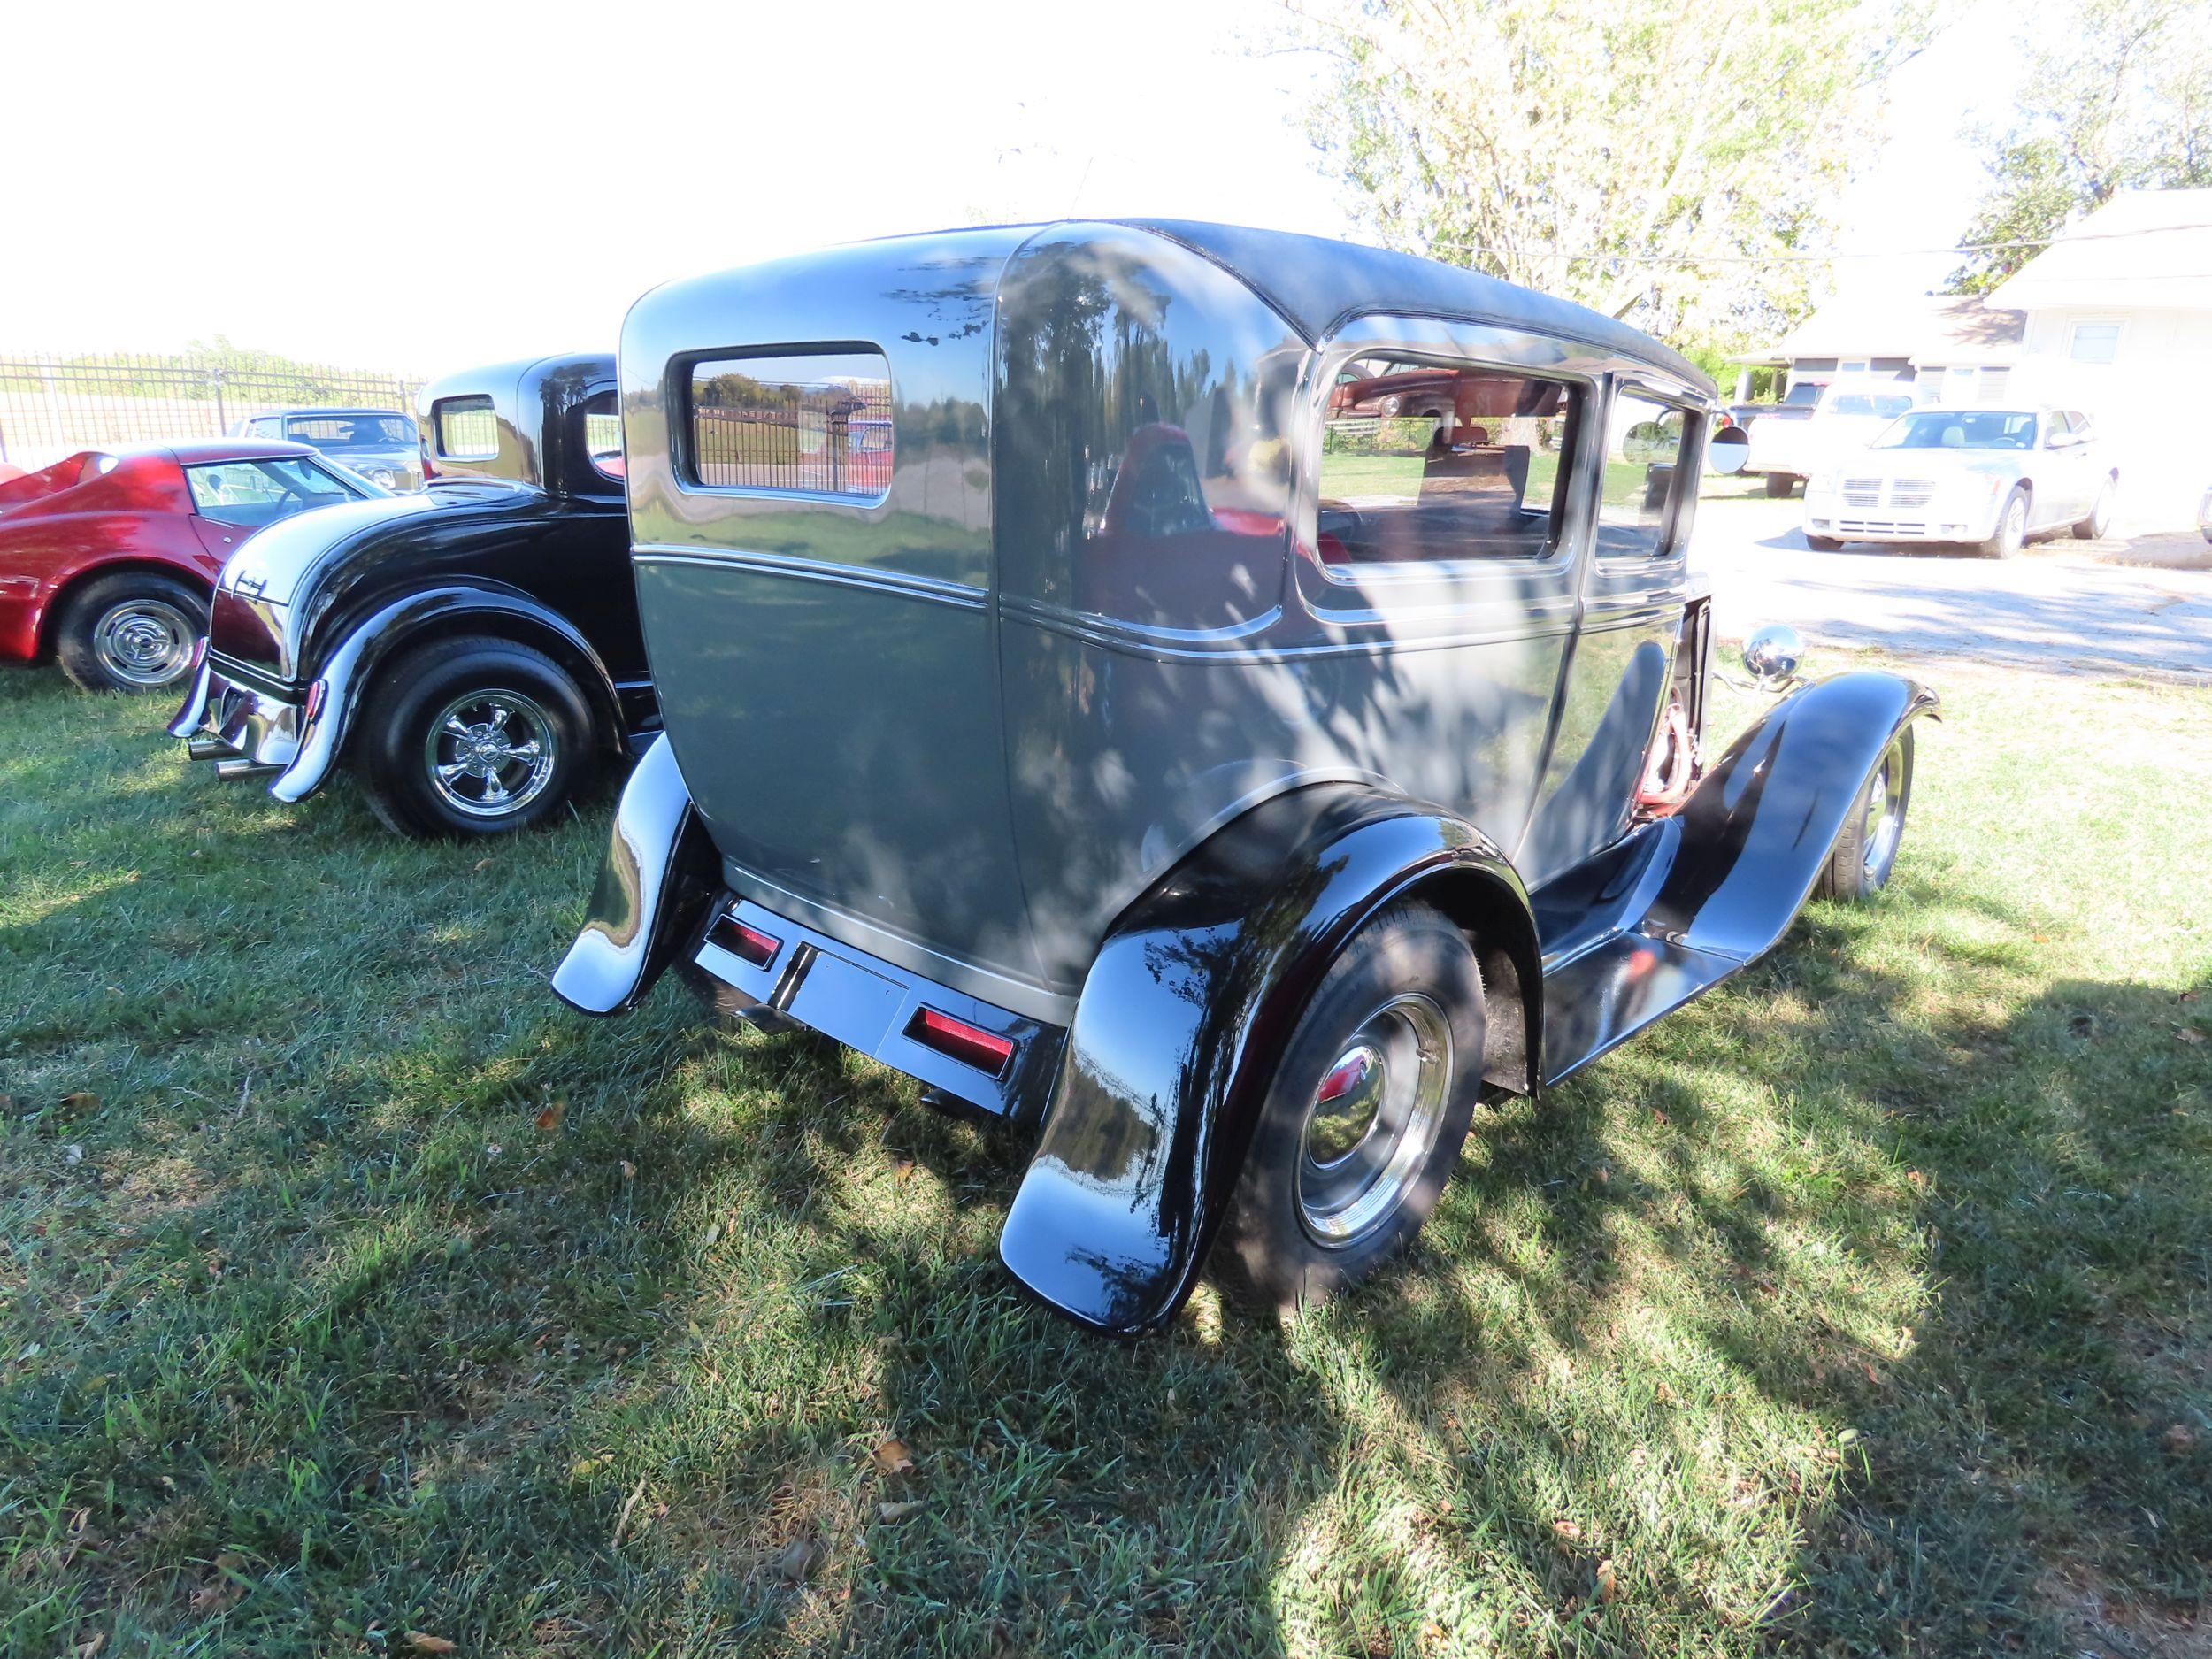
(1374, 1121)
(143, 642)
(490, 753)
(1885, 816)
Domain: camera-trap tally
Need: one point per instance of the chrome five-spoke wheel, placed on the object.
(490, 752)
(1374, 1120)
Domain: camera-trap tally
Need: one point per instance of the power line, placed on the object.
(1809, 259)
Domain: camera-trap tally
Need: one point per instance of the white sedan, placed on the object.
(1989, 477)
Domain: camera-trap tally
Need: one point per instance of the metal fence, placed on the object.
(51, 407)
(832, 440)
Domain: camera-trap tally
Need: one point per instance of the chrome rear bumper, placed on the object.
(245, 731)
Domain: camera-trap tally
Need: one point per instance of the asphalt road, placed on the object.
(2055, 607)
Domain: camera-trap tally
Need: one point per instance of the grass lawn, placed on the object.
(353, 1291)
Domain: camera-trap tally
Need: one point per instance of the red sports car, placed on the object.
(107, 559)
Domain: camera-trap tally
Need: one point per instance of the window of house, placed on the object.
(1643, 456)
(466, 429)
(1425, 461)
(1853, 366)
(2095, 342)
(813, 424)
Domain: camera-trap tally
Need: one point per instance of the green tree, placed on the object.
(2117, 96)
(1651, 162)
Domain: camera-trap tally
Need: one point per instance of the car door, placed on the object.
(1620, 665)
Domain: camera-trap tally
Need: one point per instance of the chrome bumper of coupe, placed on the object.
(245, 731)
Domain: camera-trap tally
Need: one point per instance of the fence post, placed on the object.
(215, 379)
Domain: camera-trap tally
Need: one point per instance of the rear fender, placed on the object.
(655, 887)
(1183, 1015)
(349, 667)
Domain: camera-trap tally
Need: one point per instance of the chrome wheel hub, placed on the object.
(1374, 1121)
(1884, 824)
(143, 642)
(490, 753)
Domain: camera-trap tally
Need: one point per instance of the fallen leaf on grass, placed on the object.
(1608, 1584)
(482, 864)
(1568, 1530)
(800, 1557)
(2188, 1033)
(2180, 1438)
(87, 1649)
(549, 1119)
(892, 1458)
(898, 1511)
(82, 1101)
(423, 1642)
(629, 1171)
(902, 1169)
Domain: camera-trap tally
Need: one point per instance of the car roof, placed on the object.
(1318, 284)
(365, 408)
(194, 451)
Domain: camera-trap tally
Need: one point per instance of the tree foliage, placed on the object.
(2117, 96)
(1647, 161)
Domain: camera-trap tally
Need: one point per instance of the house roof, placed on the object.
(1924, 328)
(2143, 248)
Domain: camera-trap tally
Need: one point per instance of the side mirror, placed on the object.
(1773, 655)
(1727, 450)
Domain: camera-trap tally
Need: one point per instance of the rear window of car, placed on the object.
(808, 423)
(1424, 461)
(352, 432)
(602, 436)
(466, 429)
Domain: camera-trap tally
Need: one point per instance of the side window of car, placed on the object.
(265, 427)
(261, 492)
(805, 424)
(1436, 462)
(602, 435)
(1643, 451)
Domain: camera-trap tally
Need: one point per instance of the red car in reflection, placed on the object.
(107, 559)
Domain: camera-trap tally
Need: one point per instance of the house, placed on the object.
(2119, 323)
(1951, 349)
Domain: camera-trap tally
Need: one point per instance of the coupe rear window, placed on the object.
(467, 427)
(813, 424)
(602, 436)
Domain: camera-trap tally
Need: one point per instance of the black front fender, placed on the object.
(1177, 1031)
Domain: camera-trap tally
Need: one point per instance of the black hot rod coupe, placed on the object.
(1216, 698)
(473, 652)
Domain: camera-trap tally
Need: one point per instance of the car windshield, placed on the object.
(262, 492)
(1961, 429)
(1870, 403)
(352, 432)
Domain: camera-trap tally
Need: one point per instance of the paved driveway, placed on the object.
(2050, 608)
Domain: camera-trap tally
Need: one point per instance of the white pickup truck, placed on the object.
(1846, 417)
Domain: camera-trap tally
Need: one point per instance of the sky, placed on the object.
(416, 189)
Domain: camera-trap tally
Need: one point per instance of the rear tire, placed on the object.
(1866, 852)
(2011, 533)
(475, 737)
(1365, 1118)
(1779, 485)
(133, 631)
(2099, 519)
(1824, 544)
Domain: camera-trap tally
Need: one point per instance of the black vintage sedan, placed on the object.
(472, 653)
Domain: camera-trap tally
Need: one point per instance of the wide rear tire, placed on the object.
(1779, 485)
(474, 737)
(1367, 1113)
(2094, 527)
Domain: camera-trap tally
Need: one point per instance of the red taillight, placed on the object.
(971, 1045)
(747, 944)
(316, 693)
(428, 471)
(199, 652)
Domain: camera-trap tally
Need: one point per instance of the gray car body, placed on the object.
(940, 729)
